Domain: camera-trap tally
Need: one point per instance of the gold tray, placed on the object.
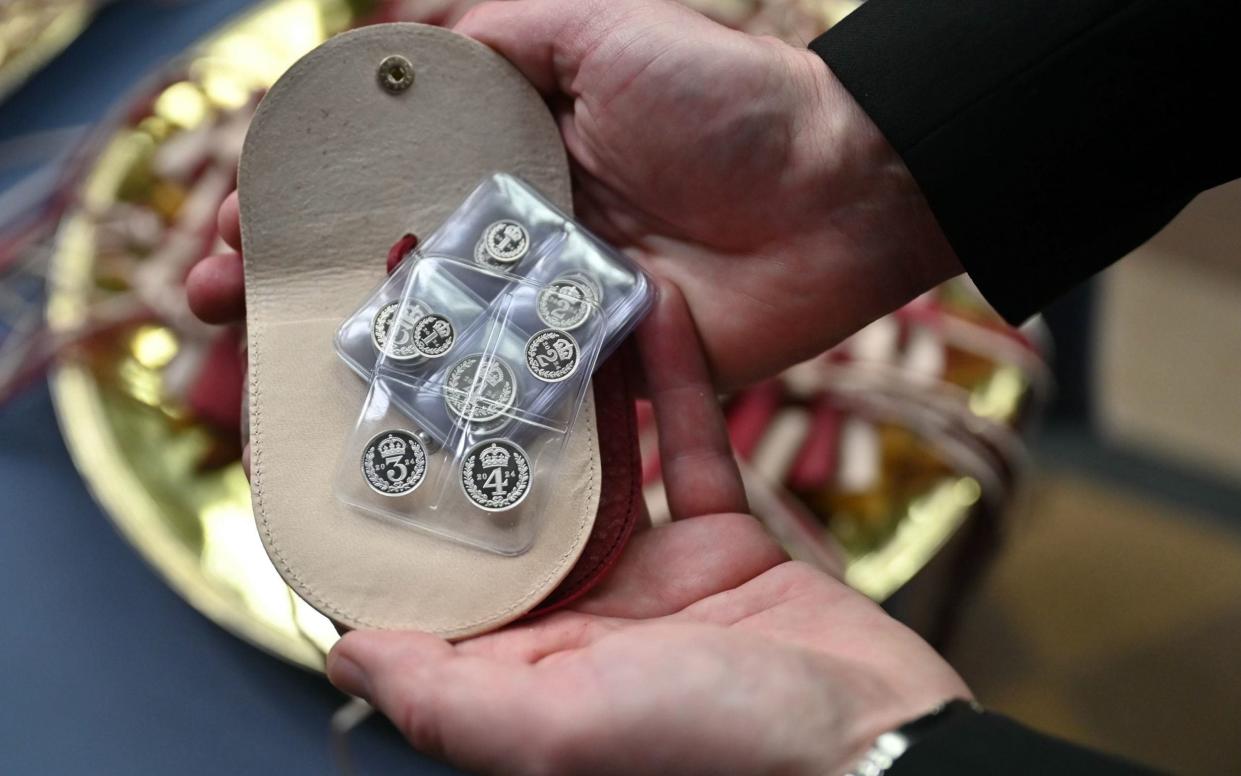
(132, 444)
(137, 448)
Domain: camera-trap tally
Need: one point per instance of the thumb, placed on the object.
(475, 712)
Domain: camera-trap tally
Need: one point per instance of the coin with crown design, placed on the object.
(434, 335)
(482, 257)
(384, 326)
(495, 475)
(505, 241)
(552, 355)
(394, 462)
(566, 302)
(480, 387)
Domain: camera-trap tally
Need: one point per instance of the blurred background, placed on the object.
(1056, 507)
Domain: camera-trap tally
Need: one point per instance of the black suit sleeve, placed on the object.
(1050, 137)
(975, 744)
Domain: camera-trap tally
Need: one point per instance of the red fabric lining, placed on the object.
(620, 496)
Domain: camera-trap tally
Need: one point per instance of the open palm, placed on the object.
(705, 651)
(743, 175)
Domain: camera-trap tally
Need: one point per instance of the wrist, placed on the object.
(888, 695)
(870, 196)
(889, 747)
(864, 703)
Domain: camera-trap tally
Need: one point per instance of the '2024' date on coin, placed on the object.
(495, 475)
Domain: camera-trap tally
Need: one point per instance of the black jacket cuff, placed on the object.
(972, 744)
(1050, 137)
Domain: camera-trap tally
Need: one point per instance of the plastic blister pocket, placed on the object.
(504, 224)
(453, 297)
(470, 446)
(507, 227)
(583, 267)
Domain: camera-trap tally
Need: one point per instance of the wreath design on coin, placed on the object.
(434, 335)
(566, 302)
(552, 355)
(480, 387)
(498, 466)
(394, 462)
(404, 346)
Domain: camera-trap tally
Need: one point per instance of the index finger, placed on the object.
(700, 473)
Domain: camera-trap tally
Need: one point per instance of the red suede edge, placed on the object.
(620, 500)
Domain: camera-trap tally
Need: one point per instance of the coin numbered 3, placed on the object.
(394, 462)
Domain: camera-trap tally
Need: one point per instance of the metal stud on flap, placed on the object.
(396, 74)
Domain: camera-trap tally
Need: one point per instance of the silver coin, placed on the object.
(506, 241)
(596, 295)
(552, 355)
(495, 475)
(483, 257)
(434, 335)
(480, 388)
(394, 462)
(382, 327)
(566, 303)
(485, 428)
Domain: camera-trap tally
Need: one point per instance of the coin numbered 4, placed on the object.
(495, 475)
(552, 355)
(566, 302)
(385, 327)
(394, 462)
(480, 387)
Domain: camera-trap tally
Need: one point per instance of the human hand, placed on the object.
(705, 651)
(734, 165)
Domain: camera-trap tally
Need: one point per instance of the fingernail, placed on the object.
(347, 675)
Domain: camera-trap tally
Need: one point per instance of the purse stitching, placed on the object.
(305, 588)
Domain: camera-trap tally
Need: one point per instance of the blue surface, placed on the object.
(102, 668)
(105, 670)
(125, 42)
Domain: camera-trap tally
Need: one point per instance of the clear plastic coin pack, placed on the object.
(479, 351)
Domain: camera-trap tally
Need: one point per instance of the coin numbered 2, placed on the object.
(495, 475)
(552, 355)
(394, 462)
(566, 303)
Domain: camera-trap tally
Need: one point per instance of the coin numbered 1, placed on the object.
(552, 355)
(433, 335)
(384, 326)
(495, 475)
(394, 462)
(487, 383)
(506, 241)
(566, 302)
